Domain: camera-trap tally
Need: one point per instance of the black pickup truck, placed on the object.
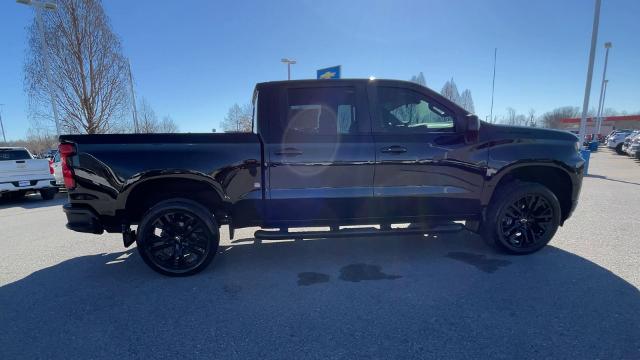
(327, 153)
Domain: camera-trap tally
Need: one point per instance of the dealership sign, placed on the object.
(329, 73)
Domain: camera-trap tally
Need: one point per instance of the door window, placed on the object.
(407, 111)
(319, 112)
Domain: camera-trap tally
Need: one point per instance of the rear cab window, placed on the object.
(316, 113)
(14, 154)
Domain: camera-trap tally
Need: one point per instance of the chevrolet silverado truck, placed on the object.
(20, 174)
(324, 153)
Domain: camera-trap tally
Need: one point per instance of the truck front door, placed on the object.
(424, 165)
(320, 155)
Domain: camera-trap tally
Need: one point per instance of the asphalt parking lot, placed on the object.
(70, 295)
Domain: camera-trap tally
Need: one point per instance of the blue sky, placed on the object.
(194, 61)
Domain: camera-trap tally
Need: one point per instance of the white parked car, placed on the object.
(56, 169)
(632, 144)
(20, 173)
(616, 141)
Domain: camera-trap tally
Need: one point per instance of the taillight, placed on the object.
(67, 151)
(51, 167)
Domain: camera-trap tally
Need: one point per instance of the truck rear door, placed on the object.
(320, 154)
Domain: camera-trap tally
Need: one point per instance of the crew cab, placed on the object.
(327, 153)
(20, 173)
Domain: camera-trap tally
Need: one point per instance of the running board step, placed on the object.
(357, 232)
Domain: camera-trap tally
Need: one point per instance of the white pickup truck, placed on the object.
(20, 173)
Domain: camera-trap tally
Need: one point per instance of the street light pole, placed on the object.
(289, 62)
(604, 94)
(607, 46)
(38, 5)
(493, 83)
(587, 88)
(4, 137)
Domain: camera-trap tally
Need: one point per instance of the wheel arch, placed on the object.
(150, 190)
(553, 176)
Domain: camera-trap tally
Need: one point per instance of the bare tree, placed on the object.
(511, 117)
(450, 91)
(167, 125)
(147, 119)
(532, 118)
(466, 101)
(419, 79)
(551, 119)
(238, 119)
(148, 122)
(87, 68)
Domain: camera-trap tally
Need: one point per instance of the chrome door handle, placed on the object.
(395, 149)
(289, 152)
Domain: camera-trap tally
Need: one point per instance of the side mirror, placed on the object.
(472, 128)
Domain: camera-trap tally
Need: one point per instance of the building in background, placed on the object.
(608, 123)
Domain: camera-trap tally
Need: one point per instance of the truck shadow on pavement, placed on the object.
(399, 297)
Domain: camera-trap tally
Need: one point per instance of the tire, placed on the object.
(178, 237)
(16, 195)
(512, 227)
(619, 149)
(48, 194)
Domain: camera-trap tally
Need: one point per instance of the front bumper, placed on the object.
(82, 219)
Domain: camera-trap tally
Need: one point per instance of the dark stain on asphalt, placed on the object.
(310, 278)
(361, 272)
(232, 289)
(481, 262)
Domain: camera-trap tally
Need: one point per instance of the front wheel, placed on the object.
(178, 237)
(522, 218)
(619, 149)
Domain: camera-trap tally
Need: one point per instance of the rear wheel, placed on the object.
(178, 237)
(522, 218)
(48, 194)
(619, 149)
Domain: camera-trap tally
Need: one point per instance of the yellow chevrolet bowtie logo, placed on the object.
(328, 75)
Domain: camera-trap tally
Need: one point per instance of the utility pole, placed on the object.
(493, 83)
(133, 100)
(4, 137)
(587, 88)
(598, 122)
(38, 6)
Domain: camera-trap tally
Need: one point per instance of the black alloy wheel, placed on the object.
(526, 221)
(521, 218)
(178, 238)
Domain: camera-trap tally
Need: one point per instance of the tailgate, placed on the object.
(12, 170)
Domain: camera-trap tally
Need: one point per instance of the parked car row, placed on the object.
(616, 138)
(625, 142)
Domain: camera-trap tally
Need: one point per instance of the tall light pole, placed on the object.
(604, 94)
(493, 83)
(587, 88)
(1, 125)
(133, 100)
(289, 62)
(38, 6)
(607, 46)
